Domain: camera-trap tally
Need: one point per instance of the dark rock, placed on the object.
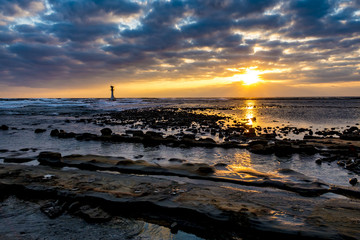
(138, 156)
(93, 215)
(153, 134)
(135, 133)
(220, 165)
(17, 160)
(39, 130)
(353, 181)
(24, 149)
(63, 134)
(318, 161)
(206, 141)
(4, 127)
(174, 227)
(261, 149)
(52, 158)
(53, 209)
(206, 169)
(177, 160)
(3, 150)
(86, 136)
(106, 132)
(73, 207)
(54, 133)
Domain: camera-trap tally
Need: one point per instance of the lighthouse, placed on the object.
(112, 93)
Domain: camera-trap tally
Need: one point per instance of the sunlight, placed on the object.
(250, 77)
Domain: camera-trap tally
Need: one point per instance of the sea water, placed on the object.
(23, 116)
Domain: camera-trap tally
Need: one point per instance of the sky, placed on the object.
(189, 48)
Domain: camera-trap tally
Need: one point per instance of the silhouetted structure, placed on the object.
(112, 93)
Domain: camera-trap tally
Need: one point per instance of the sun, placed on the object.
(250, 77)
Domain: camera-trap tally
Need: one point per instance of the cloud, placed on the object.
(61, 43)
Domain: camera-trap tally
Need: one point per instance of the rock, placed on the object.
(54, 133)
(220, 165)
(174, 227)
(17, 160)
(206, 141)
(53, 209)
(93, 215)
(106, 132)
(73, 207)
(318, 161)
(353, 181)
(52, 158)
(177, 160)
(3, 150)
(39, 130)
(135, 133)
(138, 156)
(4, 127)
(206, 169)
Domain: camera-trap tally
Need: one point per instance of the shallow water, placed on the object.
(28, 114)
(23, 116)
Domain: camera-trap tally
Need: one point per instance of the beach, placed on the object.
(180, 168)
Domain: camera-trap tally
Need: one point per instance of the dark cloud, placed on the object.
(198, 39)
(12, 7)
(84, 10)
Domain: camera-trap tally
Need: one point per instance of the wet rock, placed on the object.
(206, 169)
(135, 133)
(24, 149)
(220, 165)
(318, 161)
(206, 141)
(40, 130)
(63, 134)
(93, 215)
(261, 149)
(174, 227)
(53, 209)
(54, 133)
(188, 137)
(3, 150)
(138, 156)
(86, 136)
(52, 158)
(17, 160)
(177, 160)
(4, 127)
(73, 207)
(106, 132)
(353, 181)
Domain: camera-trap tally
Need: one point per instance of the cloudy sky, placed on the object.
(189, 48)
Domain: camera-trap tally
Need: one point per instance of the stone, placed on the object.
(318, 161)
(17, 160)
(54, 133)
(135, 133)
(177, 160)
(353, 181)
(93, 215)
(53, 209)
(106, 132)
(39, 130)
(4, 127)
(52, 158)
(206, 169)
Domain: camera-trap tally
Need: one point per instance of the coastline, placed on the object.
(156, 184)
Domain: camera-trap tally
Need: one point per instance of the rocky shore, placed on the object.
(197, 198)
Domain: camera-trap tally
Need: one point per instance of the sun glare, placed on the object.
(250, 77)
